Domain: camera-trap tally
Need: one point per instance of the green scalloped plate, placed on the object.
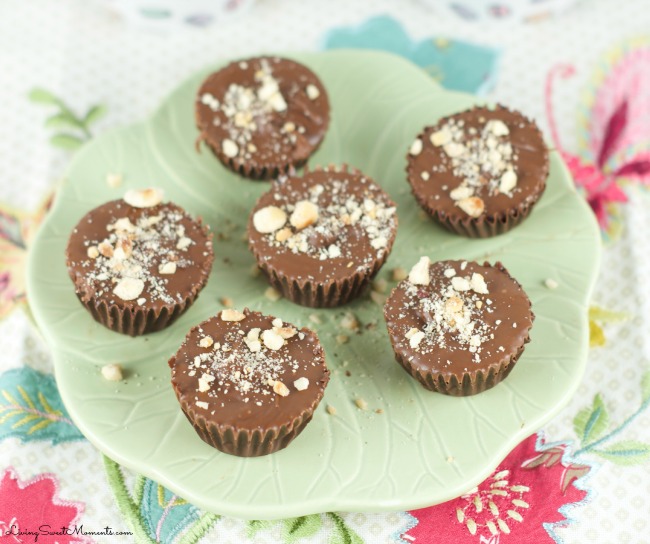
(410, 448)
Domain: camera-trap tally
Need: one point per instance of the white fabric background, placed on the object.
(86, 54)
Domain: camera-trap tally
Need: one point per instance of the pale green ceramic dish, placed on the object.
(421, 448)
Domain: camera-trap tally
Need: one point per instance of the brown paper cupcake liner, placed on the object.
(478, 227)
(137, 321)
(467, 384)
(329, 295)
(256, 172)
(249, 443)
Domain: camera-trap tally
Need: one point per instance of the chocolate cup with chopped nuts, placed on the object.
(480, 172)
(138, 264)
(322, 237)
(262, 116)
(249, 383)
(458, 327)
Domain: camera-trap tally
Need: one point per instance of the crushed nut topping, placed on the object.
(328, 220)
(454, 308)
(134, 259)
(249, 109)
(484, 159)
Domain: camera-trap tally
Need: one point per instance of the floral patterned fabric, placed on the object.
(585, 477)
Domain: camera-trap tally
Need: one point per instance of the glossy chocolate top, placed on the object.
(262, 113)
(328, 225)
(249, 371)
(479, 163)
(455, 317)
(151, 257)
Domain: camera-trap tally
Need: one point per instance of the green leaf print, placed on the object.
(626, 452)
(302, 527)
(591, 423)
(72, 131)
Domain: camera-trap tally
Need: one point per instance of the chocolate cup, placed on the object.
(466, 382)
(312, 115)
(271, 431)
(127, 317)
(497, 219)
(335, 292)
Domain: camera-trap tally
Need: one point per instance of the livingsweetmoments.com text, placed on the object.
(74, 530)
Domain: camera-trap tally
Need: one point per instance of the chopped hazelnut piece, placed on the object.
(202, 404)
(399, 274)
(183, 243)
(380, 285)
(411, 332)
(497, 127)
(128, 288)
(232, 315)
(350, 322)
(144, 198)
(304, 214)
(280, 388)
(414, 341)
(551, 283)
(204, 382)
(460, 284)
(113, 180)
(92, 252)
(508, 181)
(112, 372)
(478, 284)
(277, 322)
(361, 403)
(229, 148)
(272, 294)
(301, 384)
(272, 340)
(123, 224)
(283, 234)
(454, 149)
(167, 268)
(441, 137)
(269, 219)
(472, 206)
(342, 339)
(416, 147)
(330, 410)
(312, 92)
(419, 274)
(461, 192)
(449, 273)
(206, 342)
(227, 302)
(106, 249)
(286, 332)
